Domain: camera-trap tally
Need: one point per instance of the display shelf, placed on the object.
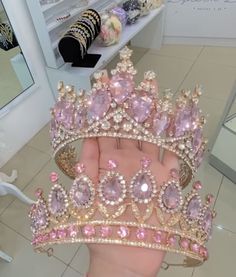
(147, 32)
(47, 26)
(78, 10)
(109, 52)
(47, 7)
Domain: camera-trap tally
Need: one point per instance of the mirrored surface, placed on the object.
(15, 76)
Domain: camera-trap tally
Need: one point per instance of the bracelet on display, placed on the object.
(94, 14)
(94, 22)
(89, 24)
(63, 17)
(81, 43)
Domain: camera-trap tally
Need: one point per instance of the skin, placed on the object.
(114, 260)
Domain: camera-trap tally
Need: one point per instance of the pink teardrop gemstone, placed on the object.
(80, 116)
(171, 197)
(207, 222)
(58, 202)
(182, 121)
(99, 104)
(39, 219)
(193, 208)
(112, 189)
(140, 107)
(121, 86)
(142, 187)
(80, 192)
(195, 114)
(199, 157)
(197, 139)
(161, 123)
(64, 113)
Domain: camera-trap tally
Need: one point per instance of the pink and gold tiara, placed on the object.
(115, 108)
(160, 217)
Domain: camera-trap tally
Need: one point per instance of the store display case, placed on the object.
(223, 153)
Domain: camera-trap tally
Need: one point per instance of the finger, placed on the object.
(128, 144)
(107, 144)
(90, 157)
(170, 160)
(150, 149)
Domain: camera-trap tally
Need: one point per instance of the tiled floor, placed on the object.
(177, 67)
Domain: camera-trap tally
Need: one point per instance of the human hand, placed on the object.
(114, 260)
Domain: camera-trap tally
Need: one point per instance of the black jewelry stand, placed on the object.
(89, 60)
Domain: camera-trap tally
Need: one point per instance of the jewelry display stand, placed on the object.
(147, 32)
(7, 188)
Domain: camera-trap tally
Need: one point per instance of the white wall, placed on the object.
(207, 22)
(30, 111)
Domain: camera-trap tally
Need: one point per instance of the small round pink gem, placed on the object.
(145, 162)
(61, 234)
(72, 231)
(172, 240)
(46, 237)
(123, 232)
(141, 234)
(203, 252)
(184, 244)
(194, 247)
(112, 164)
(53, 177)
(79, 168)
(159, 237)
(53, 234)
(197, 185)
(105, 231)
(88, 230)
(174, 173)
(38, 192)
(210, 198)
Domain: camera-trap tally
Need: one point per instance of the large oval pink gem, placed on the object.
(197, 139)
(193, 208)
(121, 86)
(80, 116)
(161, 122)
(207, 222)
(140, 107)
(112, 189)
(183, 121)
(171, 197)
(98, 105)
(80, 193)
(64, 113)
(39, 219)
(57, 204)
(142, 187)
